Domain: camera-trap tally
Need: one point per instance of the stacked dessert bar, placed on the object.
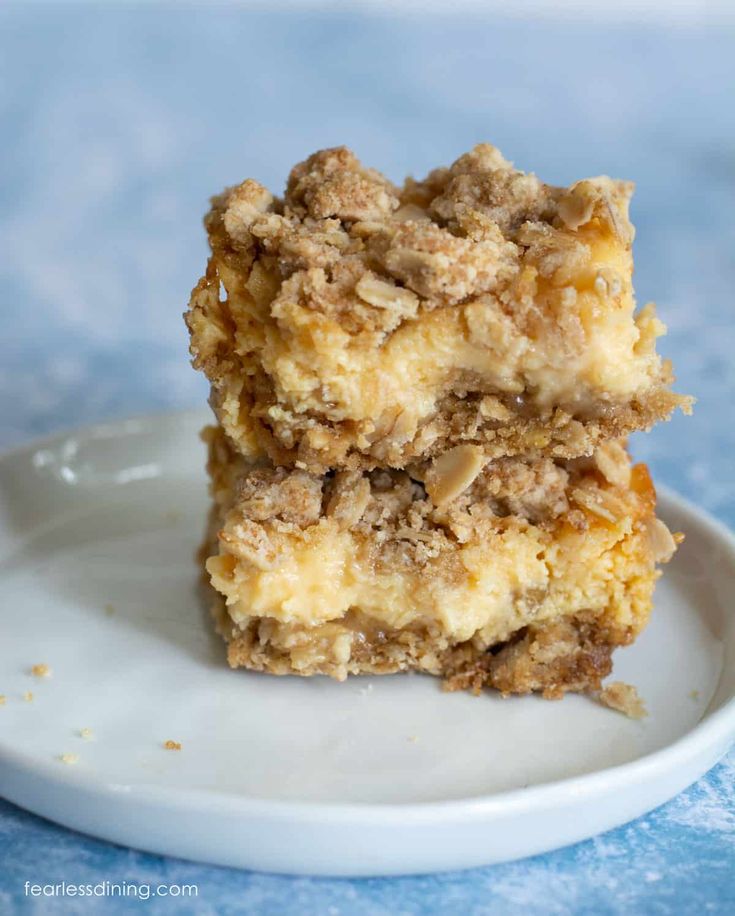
(422, 397)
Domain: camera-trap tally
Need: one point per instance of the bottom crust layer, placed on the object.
(569, 655)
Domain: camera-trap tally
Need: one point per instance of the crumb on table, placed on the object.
(41, 670)
(172, 745)
(28, 696)
(69, 759)
(86, 733)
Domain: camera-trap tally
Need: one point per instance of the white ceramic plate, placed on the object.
(373, 776)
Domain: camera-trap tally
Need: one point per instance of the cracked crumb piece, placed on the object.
(86, 733)
(354, 324)
(41, 671)
(69, 759)
(623, 698)
(172, 745)
(28, 696)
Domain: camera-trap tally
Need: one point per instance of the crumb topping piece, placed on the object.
(41, 671)
(172, 745)
(333, 183)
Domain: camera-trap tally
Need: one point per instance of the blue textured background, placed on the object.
(117, 122)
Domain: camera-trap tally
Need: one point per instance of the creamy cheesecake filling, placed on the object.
(600, 353)
(486, 591)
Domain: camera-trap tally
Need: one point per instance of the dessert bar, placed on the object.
(518, 574)
(422, 398)
(356, 324)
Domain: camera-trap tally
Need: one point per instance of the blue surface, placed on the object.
(118, 122)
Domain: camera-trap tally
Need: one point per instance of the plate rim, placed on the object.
(714, 730)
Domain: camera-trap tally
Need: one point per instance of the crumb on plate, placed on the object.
(86, 733)
(41, 670)
(28, 696)
(69, 759)
(172, 745)
(623, 698)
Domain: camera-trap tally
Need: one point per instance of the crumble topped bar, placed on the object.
(524, 577)
(355, 324)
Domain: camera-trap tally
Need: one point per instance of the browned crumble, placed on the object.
(172, 745)
(41, 671)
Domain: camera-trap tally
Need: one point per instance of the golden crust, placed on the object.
(364, 325)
